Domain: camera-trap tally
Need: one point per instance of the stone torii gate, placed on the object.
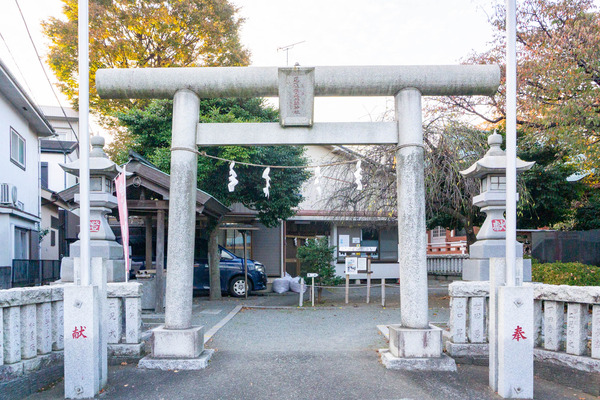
(414, 343)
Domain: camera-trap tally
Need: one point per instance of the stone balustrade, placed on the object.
(124, 303)
(566, 323)
(445, 264)
(32, 327)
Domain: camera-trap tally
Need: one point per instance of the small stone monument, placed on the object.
(491, 239)
(102, 239)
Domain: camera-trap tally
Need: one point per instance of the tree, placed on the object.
(143, 34)
(587, 212)
(451, 146)
(558, 93)
(317, 256)
(150, 132)
(549, 196)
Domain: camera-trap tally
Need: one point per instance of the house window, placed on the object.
(21, 244)
(438, 231)
(17, 148)
(370, 238)
(44, 172)
(234, 242)
(388, 245)
(438, 235)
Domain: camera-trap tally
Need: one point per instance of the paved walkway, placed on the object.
(290, 353)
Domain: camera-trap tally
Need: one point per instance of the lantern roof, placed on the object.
(494, 161)
(99, 162)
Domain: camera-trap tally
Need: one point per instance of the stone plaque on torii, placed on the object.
(414, 343)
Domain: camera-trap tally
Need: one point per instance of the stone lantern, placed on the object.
(491, 239)
(102, 239)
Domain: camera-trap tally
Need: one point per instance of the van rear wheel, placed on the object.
(237, 288)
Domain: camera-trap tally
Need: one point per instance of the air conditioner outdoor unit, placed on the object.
(5, 193)
(8, 194)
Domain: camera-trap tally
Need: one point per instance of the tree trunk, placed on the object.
(471, 236)
(213, 263)
(319, 291)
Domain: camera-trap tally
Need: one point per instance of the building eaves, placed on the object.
(58, 146)
(14, 93)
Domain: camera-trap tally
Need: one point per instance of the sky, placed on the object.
(332, 32)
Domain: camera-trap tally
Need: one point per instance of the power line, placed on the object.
(44, 70)
(17, 65)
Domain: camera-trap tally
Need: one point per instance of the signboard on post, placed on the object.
(351, 266)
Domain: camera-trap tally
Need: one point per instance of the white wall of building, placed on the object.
(317, 155)
(48, 251)
(26, 181)
(58, 179)
(63, 127)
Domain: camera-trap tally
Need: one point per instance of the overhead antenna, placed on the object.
(287, 50)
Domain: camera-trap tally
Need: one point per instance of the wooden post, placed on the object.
(368, 279)
(312, 292)
(160, 260)
(148, 226)
(245, 266)
(347, 286)
(382, 292)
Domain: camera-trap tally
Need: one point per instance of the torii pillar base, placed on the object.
(181, 349)
(414, 349)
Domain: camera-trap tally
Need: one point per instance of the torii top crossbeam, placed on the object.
(210, 82)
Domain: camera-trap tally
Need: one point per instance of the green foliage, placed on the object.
(558, 49)
(150, 132)
(143, 34)
(452, 146)
(587, 214)
(573, 273)
(317, 256)
(549, 195)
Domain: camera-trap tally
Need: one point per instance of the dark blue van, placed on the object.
(232, 274)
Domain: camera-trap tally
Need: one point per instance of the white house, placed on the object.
(22, 124)
(61, 225)
(276, 247)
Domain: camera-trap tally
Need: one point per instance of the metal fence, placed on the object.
(5, 272)
(582, 246)
(34, 272)
(445, 264)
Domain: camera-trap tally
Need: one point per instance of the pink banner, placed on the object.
(121, 188)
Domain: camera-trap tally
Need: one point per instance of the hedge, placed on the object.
(571, 273)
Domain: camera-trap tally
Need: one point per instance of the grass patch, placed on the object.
(571, 273)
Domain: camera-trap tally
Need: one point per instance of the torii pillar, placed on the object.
(414, 343)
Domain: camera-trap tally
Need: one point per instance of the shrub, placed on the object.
(317, 256)
(571, 273)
